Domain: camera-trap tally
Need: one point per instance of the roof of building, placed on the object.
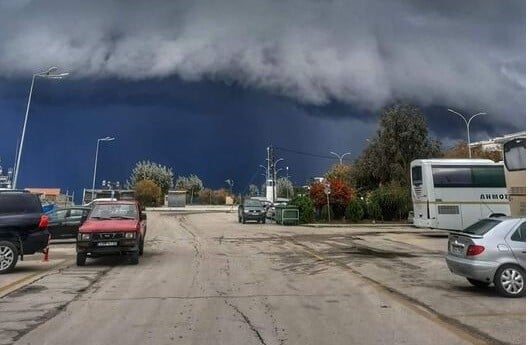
(45, 191)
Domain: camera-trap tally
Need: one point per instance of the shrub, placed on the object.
(374, 209)
(354, 210)
(324, 213)
(306, 208)
(393, 200)
(148, 193)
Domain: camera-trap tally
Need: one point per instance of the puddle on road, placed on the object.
(28, 290)
(366, 251)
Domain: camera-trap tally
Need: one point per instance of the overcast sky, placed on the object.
(229, 69)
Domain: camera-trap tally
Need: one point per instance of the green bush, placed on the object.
(373, 209)
(306, 208)
(394, 202)
(354, 210)
(324, 213)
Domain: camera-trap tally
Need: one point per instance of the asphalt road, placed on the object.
(205, 279)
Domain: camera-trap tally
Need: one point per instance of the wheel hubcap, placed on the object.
(512, 281)
(6, 257)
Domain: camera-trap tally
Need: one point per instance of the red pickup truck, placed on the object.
(112, 228)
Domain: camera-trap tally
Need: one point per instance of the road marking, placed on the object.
(26, 279)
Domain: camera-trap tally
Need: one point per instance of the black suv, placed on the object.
(251, 210)
(23, 227)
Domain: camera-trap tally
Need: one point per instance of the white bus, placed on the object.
(452, 194)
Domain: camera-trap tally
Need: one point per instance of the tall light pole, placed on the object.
(46, 74)
(230, 182)
(95, 164)
(340, 157)
(467, 125)
(275, 177)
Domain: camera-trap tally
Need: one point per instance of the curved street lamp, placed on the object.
(467, 125)
(46, 74)
(340, 157)
(95, 165)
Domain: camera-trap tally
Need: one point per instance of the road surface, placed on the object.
(205, 279)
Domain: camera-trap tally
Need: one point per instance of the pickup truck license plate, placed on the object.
(107, 244)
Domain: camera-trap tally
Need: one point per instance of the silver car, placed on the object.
(493, 250)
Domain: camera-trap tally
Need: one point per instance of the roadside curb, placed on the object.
(356, 225)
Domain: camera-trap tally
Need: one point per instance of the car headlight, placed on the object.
(84, 237)
(246, 211)
(130, 235)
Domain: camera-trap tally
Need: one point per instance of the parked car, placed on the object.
(251, 210)
(493, 250)
(94, 201)
(112, 228)
(23, 227)
(64, 223)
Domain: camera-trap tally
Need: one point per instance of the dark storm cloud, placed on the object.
(466, 54)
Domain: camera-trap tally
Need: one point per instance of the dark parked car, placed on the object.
(493, 250)
(23, 227)
(251, 210)
(112, 228)
(65, 222)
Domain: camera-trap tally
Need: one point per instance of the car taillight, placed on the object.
(43, 224)
(474, 249)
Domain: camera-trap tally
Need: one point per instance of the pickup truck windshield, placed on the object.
(109, 211)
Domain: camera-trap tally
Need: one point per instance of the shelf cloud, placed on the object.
(465, 54)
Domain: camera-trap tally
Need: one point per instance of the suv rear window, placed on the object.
(12, 203)
(481, 227)
(252, 203)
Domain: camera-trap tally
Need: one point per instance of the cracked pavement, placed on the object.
(205, 279)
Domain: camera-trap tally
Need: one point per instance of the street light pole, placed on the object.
(467, 125)
(340, 157)
(45, 74)
(95, 164)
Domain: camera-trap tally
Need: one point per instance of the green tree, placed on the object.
(192, 184)
(253, 190)
(148, 193)
(402, 137)
(161, 175)
(284, 188)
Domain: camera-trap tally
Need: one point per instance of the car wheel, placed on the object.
(8, 256)
(81, 259)
(478, 283)
(264, 220)
(243, 220)
(510, 281)
(134, 258)
(239, 219)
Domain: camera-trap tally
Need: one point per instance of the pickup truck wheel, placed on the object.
(81, 259)
(141, 245)
(134, 258)
(8, 256)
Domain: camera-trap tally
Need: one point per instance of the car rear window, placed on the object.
(13, 203)
(481, 227)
